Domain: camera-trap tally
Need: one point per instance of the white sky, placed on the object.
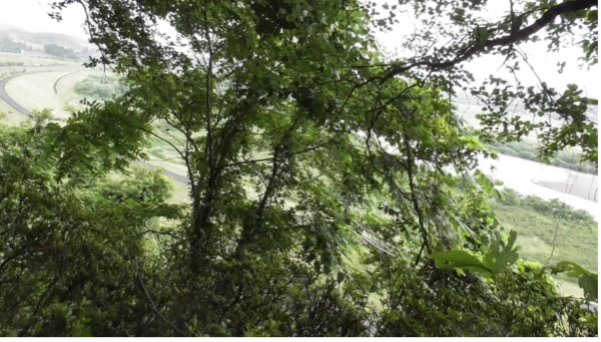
(543, 62)
(32, 15)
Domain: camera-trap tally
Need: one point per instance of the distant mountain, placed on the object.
(39, 39)
(42, 38)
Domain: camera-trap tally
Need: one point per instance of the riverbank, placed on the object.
(544, 181)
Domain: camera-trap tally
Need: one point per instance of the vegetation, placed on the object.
(550, 231)
(8, 45)
(59, 51)
(100, 87)
(12, 72)
(4, 64)
(304, 149)
(529, 151)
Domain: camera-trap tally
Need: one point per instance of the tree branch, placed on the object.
(514, 37)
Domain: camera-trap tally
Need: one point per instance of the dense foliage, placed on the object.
(99, 87)
(323, 184)
(59, 51)
(552, 207)
(8, 45)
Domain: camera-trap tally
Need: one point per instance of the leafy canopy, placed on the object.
(320, 177)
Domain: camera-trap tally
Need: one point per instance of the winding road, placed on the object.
(4, 95)
(11, 102)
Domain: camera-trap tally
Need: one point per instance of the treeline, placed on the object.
(7, 45)
(4, 64)
(59, 51)
(551, 207)
(528, 150)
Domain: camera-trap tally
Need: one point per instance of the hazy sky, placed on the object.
(543, 62)
(32, 15)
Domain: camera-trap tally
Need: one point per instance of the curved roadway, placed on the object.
(4, 96)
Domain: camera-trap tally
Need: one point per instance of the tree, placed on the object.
(71, 250)
(59, 51)
(467, 34)
(302, 147)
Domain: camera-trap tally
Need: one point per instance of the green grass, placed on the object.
(42, 85)
(10, 116)
(180, 192)
(536, 236)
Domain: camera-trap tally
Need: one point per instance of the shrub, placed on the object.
(99, 87)
(551, 207)
(3, 64)
(59, 51)
(527, 155)
(512, 197)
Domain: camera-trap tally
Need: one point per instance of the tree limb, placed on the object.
(514, 37)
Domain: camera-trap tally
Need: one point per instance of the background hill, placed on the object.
(17, 40)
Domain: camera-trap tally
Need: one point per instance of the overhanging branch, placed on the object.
(514, 37)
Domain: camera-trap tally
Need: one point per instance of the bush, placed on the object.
(552, 207)
(512, 197)
(443, 303)
(59, 51)
(3, 64)
(99, 87)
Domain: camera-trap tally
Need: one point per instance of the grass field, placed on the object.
(42, 85)
(536, 236)
(180, 192)
(11, 116)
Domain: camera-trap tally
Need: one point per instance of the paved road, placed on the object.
(4, 96)
(60, 78)
(173, 175)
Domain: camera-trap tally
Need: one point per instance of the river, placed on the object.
(576, 189)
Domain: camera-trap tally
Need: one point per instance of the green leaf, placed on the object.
(509, 254)
(573, 269)
(589, 283)
(481, 34)
(495, 247)
(496, 259)
(86, 332)
(459, 258)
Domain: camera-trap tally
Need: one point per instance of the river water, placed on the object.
(576, 189)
